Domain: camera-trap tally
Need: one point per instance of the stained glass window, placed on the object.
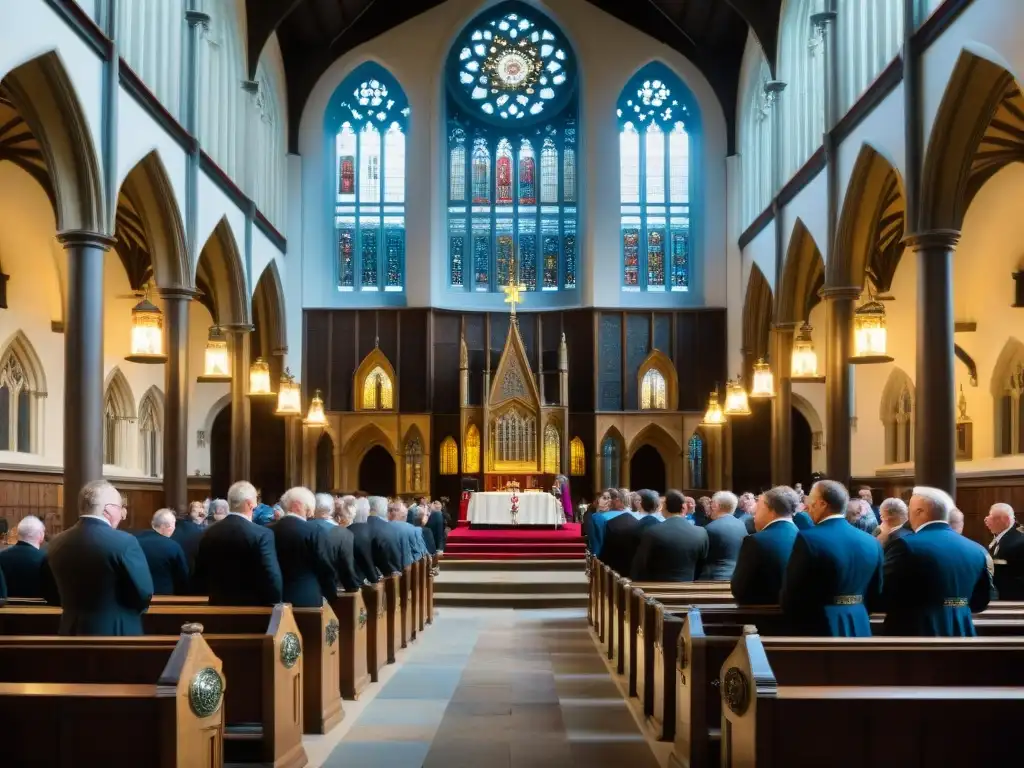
(696, 461)
(471, 452)
(378, 391)
(368, 118)
(151, 435)
(658, 117)
(449, 456)
(552, 450)
(611, 462)
(577, 457)
(414, 464)
(653, 392)
(19, 400)
(512, 98)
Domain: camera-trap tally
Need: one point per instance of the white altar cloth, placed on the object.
(536, 508)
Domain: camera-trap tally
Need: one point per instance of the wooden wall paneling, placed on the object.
(367, 332)
(316, 361)
(498, 322)
(446, 362)
(663, 333)
(442, 426)
(578, 326)
(387, 331)
(611, 362)
(344, 359)
(581, 425)
(638, 346)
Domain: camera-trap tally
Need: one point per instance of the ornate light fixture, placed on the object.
(289, 398)
(315, 416)
(259, 379)
(869, 333)
(216, 360)
(763, 386)
(736, 403)
(805, 359)
(147, 333)
(713, 416)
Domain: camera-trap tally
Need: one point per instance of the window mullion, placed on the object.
(642, 197)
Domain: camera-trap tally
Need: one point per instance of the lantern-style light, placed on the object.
(869, 334)
(315, 416)
(289, 399)
(736, 403)
(805, 359)
(713, 416)
(147, 333)
(216, 361)
(763, 386)
(259, 378)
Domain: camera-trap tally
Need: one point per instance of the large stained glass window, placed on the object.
(368, 119)
(658, 119)
(577, 457)
(552, 450)
(471, 452)
(512, 189)
(449, 456)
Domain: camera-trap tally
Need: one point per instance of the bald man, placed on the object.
(1007, 550)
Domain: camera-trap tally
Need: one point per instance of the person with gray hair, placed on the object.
(337, 538)
(304, 550)
(219, 509)
(834, 575)
(1007, 550)
(167, 561)
(761, 565)
(236, 563)
(362, 509)
(96, 573)
(413, 546)
(956, 521)
(21, 565)
(363, 542)
(725, 537)
(387, 540)
(894, 521)
(935, 579)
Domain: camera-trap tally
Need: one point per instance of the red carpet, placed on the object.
(465, 543)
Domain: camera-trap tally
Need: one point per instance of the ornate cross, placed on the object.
(514, 287)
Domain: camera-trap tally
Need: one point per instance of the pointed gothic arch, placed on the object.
(611, 453)
(119, 418)
(697, 460)
(449, 456)
(22, 396)
(375, 386)
(1007, 387)
(471, 450)
(552, 448)
(896, 411)
(414, 456)
(757, 319)
(803, 275)
(577, 457)
(657, 383)
(151, 429)
(220, 276)
(270, 339)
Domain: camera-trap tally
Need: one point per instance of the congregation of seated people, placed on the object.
(236, 551)
(827, 559)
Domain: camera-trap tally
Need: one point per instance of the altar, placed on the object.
(535, 508)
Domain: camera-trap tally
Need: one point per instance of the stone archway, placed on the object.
(647, 469)
(324, 464)
(377, 472)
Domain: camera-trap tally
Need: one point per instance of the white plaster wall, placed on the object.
(735, 287)
(811, 207)
(759, 251)
(608, 52)
(137, 136)
(214, 205)
(291, 267)
(201, 396)
(882, 130)
(91, 7)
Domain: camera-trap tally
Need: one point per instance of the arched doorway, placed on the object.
(266, 443)
(752, 449)
(647, 469)
(802, 447)
(377, 472)
(324, 464)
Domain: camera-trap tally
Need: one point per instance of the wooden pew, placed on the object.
(393, 592)
(783, 697)
(350, 632)
(164, 693)
(376, 601)
(261, 650)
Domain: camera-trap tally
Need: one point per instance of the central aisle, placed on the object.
(498, 689)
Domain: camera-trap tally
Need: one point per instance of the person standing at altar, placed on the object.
(562, 493)
(599, 522)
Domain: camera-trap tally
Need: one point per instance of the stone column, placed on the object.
(176, 382)
(782, 404)
(241, 421)
(839, 309)
(935, 406)
(83, 365)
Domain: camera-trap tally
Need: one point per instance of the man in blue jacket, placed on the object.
(763, 558)
(95, 572)
(167, 561)
(599, 522)
(21, 565)
(935, 579)
(834, 576)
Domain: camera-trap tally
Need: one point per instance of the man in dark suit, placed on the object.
(410, 537)
(763, 557)
(935, 579)
(745, 508)
(412, 514)
(362, 541)
(725, 537)
(674, 550)
(435, 522)
(387, 542)
(621, 538)
(422, 518)
(834, 576)
(167, 562)
(307, 573)
(333, 519)
(189, 531)
(21, 565)
(1007, 550)
(236, 563)
(95, 572)
(894, 525)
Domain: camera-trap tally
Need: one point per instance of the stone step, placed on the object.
(477, 554)
(527, 600)
(524, 564)
(462, 584)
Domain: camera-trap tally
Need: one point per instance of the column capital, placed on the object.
(177, 292)
(195, 18)
(76, 238)
(251, 86)
(772, 89)
(279, 351)
(787, 327)
(832, 292)
(823, 19)
(237, 328)
(945, 239)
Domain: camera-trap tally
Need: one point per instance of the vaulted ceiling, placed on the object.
(315, 33)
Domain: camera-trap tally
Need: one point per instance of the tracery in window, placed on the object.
(653, 391)
(512, 93)
(757, 155)
(368, 119)
(695, 457)
(151, 419)
(611, 462)
(513, 439)
(658, 116)
(471, 452)
(449, 456)
(377, 391)
(1007, 391)
(898, 418)
(552, 450)
(22, 393)
(414, 464)
(802, 68)
(577, 457)
(118, 421)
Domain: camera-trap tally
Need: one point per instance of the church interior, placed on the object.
(441, 248)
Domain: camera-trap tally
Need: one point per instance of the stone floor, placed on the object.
(498, 689)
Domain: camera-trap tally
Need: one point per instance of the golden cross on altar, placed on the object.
(514, 287)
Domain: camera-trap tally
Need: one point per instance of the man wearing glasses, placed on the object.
(97, 573)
